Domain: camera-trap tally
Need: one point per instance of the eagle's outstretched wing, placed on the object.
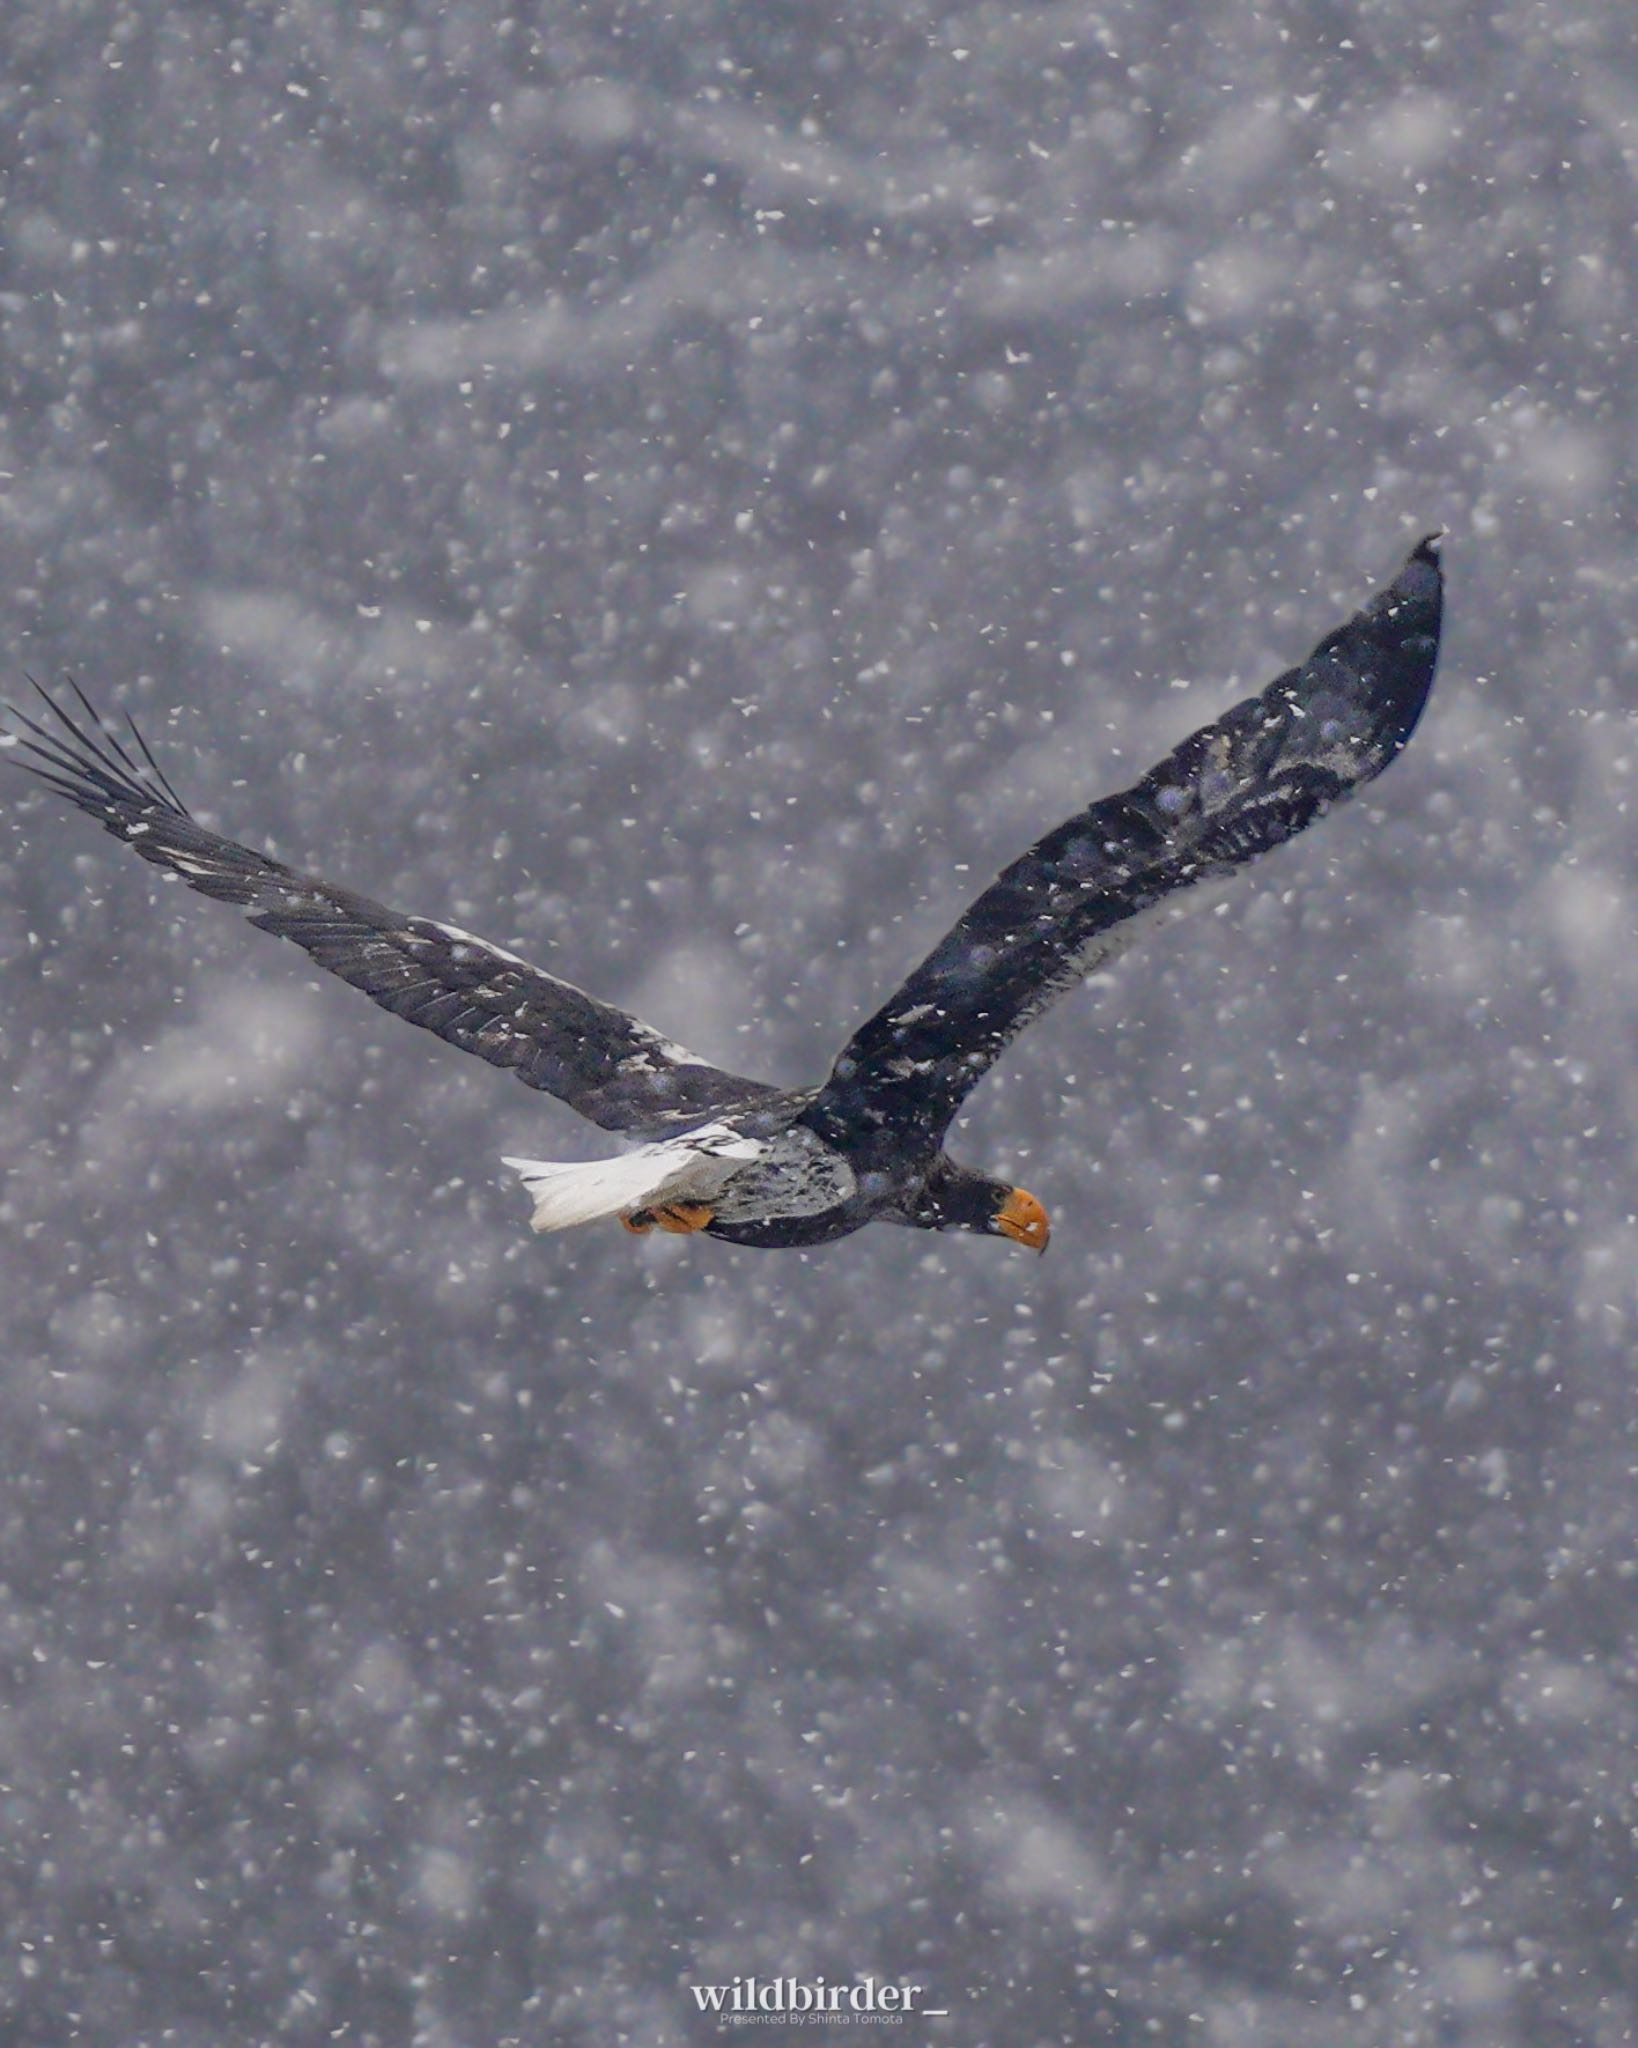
(1079, 896)
(612, 1069)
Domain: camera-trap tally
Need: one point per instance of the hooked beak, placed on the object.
(1022, 1218)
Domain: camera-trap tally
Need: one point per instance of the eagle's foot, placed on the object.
(682, 1217)
(677, 1217)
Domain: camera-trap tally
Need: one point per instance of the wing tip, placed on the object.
(84, 758)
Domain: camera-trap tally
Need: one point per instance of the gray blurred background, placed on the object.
(688, 492)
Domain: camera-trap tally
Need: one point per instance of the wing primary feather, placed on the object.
(106, 737)
(154, 768)
(102, 746)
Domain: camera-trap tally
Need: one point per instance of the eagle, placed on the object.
(756, 1164)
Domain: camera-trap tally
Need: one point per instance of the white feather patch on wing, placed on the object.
(687, 1169)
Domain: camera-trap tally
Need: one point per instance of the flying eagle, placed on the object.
(761, 1165)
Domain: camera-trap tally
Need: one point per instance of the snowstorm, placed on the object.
(689, 493)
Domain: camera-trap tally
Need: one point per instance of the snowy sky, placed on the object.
(689, 493)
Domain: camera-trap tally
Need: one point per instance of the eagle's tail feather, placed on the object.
(694, 1168)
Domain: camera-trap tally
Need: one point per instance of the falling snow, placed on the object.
(688, 493)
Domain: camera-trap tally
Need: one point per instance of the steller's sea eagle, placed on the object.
(760, 1165)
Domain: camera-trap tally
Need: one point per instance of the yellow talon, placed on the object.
(681, 1217)
(678, 1217)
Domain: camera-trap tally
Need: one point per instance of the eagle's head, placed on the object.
(960, 1198)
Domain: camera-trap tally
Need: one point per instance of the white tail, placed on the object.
(692, 1168)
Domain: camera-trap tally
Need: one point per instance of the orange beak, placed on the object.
(1023, 1219)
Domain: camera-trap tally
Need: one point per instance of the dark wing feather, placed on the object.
(1242, 785)
(608, 1066)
